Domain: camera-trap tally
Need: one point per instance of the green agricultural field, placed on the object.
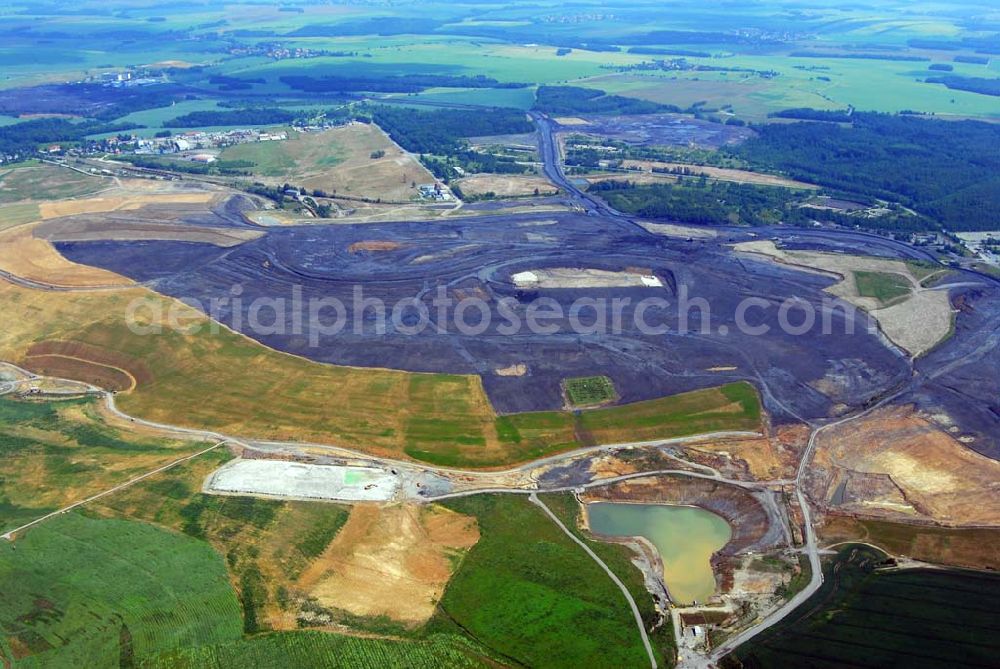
(531, 594)
(864, 618)
(270, 159)
(819, 83)
(589, 390)
(883, 286)
(80, 592)
(267, 543)
(532, 435)
(42, 181)
(55, 453)
(734, 406)
(619, 558)
(321, 650)
(12, 215)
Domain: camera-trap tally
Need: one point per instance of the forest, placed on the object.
(946, 170)
(576, 100)
(25, 137)
(262, 116)
(981, 85)
(443, 132)
(697, 200)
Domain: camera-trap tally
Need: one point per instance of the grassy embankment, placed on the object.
(357, 161)
(883, 286)
(532, 595)
(962, 547)
(54, 454)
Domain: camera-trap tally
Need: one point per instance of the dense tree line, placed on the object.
(577, 100)
(972, 60)
(261, 116)
(660, 51)
(407, 83)
(859, 56)
(697, 200)
(981, 85)
(444, 131)
(25, 138)
(807, 114)
(947, 170)
(234, 83)
(227, 167)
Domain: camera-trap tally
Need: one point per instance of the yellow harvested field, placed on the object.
(937, 477)
(916, 323)
(506, 185)
(571, 120)
(338, 162)
(27, 257)
(121, 200)
(223, 381)
(391, 561)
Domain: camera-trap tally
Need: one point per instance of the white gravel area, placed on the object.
(298, 480)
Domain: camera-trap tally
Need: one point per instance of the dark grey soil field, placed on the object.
(837, 364)
(476, 258)
(661, 130)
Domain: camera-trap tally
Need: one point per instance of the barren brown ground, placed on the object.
(978, 548)
(131, 196)
(764, 458)
(506, 185)
(895, 463)
(391, 561)
(374, 245)
(720, 173)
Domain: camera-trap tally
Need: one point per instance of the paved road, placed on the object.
(552, 167)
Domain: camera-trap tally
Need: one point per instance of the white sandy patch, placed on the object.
(916, 323)
(573, 277)
(298, 480)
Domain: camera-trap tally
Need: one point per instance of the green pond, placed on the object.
(685, 537)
